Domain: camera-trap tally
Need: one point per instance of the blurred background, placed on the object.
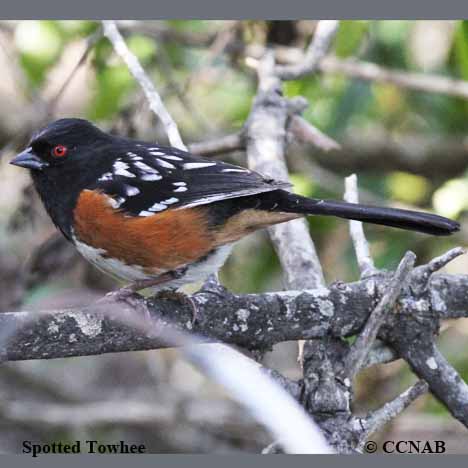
(409, 148)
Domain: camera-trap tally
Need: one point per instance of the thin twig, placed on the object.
(355, 359)
(305, 132)
(157, 106)
(222, 38)
(439, 262)
(361, 246)
(225, 144)
(295, 59)
(90, 43)
(197, 117)
(372, 72)
(390, 410)
(324, 34)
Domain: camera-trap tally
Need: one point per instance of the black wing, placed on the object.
(146, 179)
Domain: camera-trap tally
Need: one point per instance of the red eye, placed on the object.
(59, 151)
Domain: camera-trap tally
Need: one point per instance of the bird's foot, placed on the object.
(128, 295)
(172, 294)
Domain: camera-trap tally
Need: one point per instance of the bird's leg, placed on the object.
(128, 292)
(125, 292)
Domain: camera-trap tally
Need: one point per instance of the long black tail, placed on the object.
(403, 219)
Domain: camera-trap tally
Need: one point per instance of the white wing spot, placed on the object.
(131, 191)
(181, 189)
(170, 201)
(165, 164)
(171, 157)
(149, 177)
(235, 170)
(156, 153)
(157, 207)
(145, 168)
(145, 213)
(134, 157)
(198, 165)
(120, 168)
(179, 184)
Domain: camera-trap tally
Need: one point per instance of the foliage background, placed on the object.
(199, 67)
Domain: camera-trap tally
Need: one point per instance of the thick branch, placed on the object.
(251, 321)
(427, 362)
(266, 140)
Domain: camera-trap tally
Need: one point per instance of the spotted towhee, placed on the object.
(150, 214)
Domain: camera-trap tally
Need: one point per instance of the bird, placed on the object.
(152, 215)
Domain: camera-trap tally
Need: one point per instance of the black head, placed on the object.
(63, 159)
(63, 143)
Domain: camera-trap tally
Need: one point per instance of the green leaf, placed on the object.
(349, 37)
(39, 44)
(461, 48)
(113, 84)
(406, 187)
(143, 47)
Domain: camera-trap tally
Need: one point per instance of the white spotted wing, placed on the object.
(148, 179)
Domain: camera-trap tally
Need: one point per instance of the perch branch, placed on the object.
(252, 320)
(263, 320)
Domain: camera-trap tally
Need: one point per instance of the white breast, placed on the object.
(110, 266)
(199, 271)
(195, 272)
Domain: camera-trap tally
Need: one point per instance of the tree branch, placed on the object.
(250, 321)
(417, 81)
(361, 347)
(390, 410)
(224, 144)
(154, 100)
(431, 157)
(266, 140)
(324, 34)
(419, 350)
(361, 246)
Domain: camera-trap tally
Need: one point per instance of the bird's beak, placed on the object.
(28, 160)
